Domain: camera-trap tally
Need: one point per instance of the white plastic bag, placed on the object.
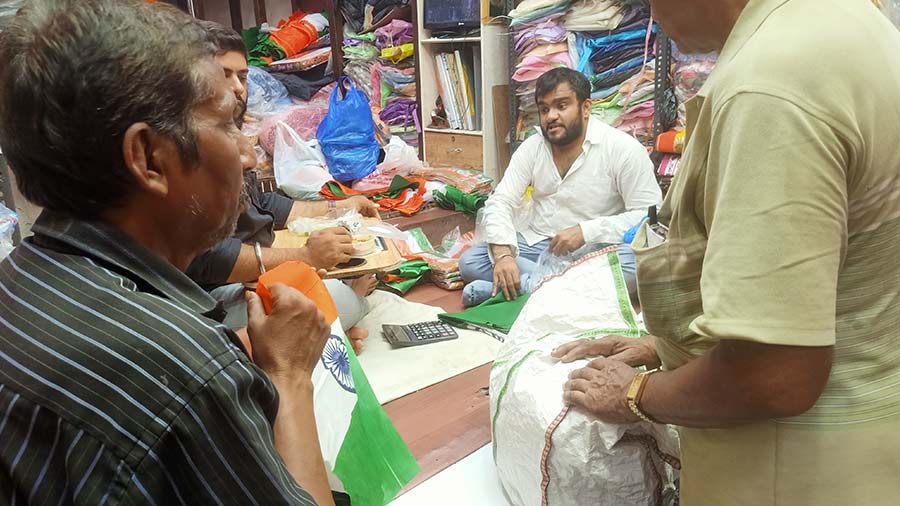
(300, 169)
(568, 457)
(400, 155)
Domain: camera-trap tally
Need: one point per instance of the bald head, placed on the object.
(698, 26)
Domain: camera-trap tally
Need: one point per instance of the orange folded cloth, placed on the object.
(302, 277)
(670, 142)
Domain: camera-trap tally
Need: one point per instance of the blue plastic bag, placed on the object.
(347, 134)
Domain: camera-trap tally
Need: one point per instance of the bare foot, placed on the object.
(365, 285)
(357, 335)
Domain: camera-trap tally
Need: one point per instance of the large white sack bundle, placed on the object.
(547, 454)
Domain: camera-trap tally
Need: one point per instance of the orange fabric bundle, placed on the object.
(399, 203)
(670, 142)
(302, 277)
(295, 35)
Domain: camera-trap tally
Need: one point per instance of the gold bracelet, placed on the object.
(635, 391)
(501, 257)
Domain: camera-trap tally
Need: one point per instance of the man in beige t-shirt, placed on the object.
(775, 296)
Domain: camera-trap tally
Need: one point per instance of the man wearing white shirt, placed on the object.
(591, 183)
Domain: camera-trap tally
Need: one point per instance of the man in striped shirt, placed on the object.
(118, 384)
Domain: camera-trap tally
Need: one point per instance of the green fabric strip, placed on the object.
(496, 313)
(622, 291)
(500, 399)
(374, 463)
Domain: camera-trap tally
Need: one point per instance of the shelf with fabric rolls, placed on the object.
(379, 54)
(613, 42)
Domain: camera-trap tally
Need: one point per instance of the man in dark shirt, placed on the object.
(118, 383)
(226, 266)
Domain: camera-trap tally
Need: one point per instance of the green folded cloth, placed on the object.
(398, 185)
(403, 278)
(457, 200)
(495, 313)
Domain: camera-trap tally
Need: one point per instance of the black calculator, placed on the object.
(418, 333)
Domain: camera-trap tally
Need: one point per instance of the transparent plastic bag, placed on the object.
(549, 264)
(8, 222)
(265, 94)
(891, 9)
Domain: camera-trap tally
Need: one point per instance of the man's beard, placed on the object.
(225, 231)
(572, 132)
(246, 190)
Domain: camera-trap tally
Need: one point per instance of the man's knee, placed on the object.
(473, 262)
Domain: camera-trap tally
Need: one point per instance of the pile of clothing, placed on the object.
(610, 41)
(368, 15)
(541, 43)
(378, 47)
(616, 53)
(467, 181)
(424, 262)
(691, 72)
(394, 81)
(360, 55)
(302, 31)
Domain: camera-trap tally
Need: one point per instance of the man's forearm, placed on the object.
(738, 382)
(246, 268)
(307, 209)
(500, 249)
(297, 439)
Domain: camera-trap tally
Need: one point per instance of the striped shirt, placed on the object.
(117, 386)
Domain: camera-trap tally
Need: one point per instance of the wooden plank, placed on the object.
(259, 11)
(237, 19)
(444, 423)
(336, 29)
(500, 98)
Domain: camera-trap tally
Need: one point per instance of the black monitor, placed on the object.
(452, 15)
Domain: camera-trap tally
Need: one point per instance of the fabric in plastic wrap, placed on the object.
(303, 117)
(347, 134)
(564, 456)
(265, 94)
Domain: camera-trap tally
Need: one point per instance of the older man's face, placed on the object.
(211, 192)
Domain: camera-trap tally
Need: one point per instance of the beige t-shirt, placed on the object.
(785, 229)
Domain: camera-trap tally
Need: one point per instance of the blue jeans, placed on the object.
(477, 271)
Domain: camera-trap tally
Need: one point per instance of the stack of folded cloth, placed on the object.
(299, 32)
(617, 55)
(442, 262)
(360, 55)
(368, 15)
(467, 181)
(541, 44)
(394, 80)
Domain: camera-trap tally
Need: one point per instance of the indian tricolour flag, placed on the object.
(364, 455)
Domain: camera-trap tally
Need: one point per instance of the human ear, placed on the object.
(146, 155)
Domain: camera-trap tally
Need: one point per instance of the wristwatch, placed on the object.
(635, 390)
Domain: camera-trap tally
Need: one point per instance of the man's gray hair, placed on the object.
(76, 74)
